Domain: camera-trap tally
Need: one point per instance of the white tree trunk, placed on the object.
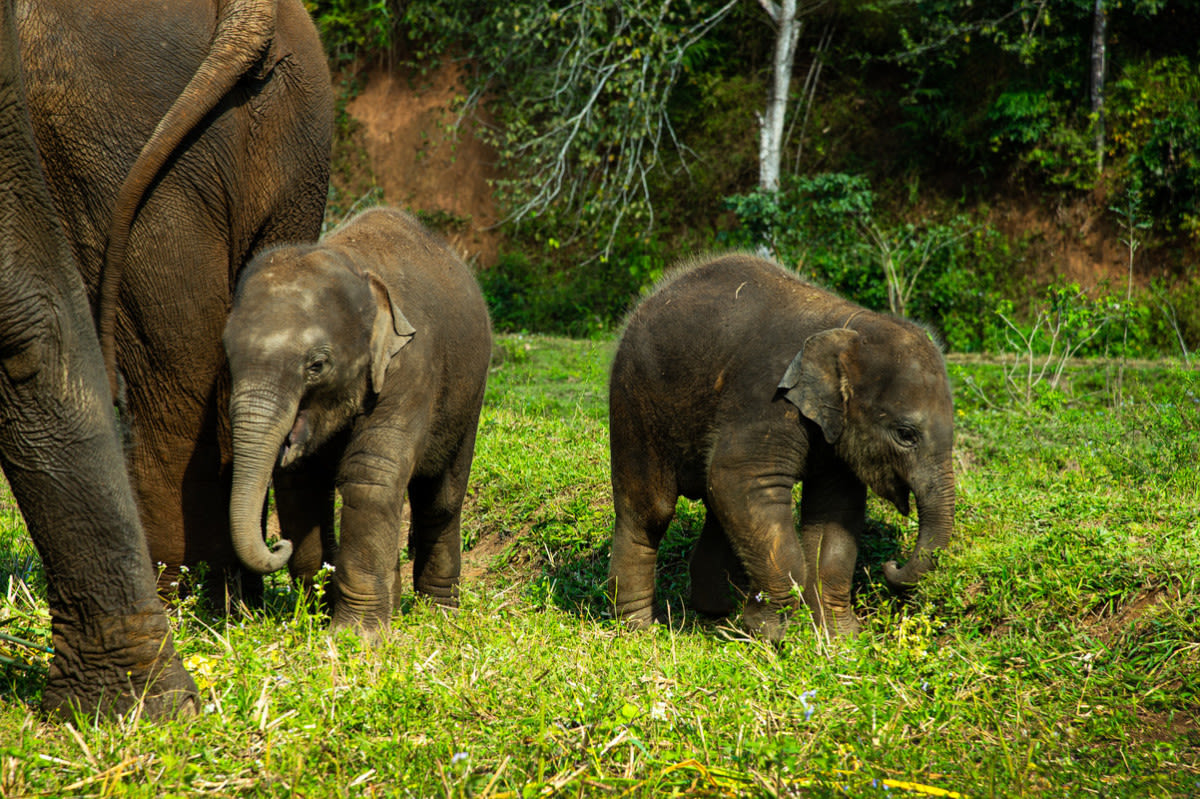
(1099, 35)
(770, 151)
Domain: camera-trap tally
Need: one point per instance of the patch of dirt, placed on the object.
(1106, 627)
(423, 159)
(1069, 241)
(1170, 726)
(1079, 240)
(488, 554)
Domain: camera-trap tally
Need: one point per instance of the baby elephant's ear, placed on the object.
(817, 382)
(389, 334)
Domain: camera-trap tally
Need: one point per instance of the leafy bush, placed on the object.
(353, 28)
(825, 227)
(1156, 125)
(535, 292)
(1044, 135)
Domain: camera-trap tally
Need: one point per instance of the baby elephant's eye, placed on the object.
(907, 436)
(317, 367)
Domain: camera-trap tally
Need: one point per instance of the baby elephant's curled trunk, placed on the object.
(261, 423)
(935, 513)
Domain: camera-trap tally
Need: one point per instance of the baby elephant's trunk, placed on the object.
(260, 426)
(935, 512)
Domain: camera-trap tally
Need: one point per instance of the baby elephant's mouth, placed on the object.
(297, 437)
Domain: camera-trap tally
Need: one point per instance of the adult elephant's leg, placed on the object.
(60, 453)
(715, 570)
(173, 306)
(832, 513)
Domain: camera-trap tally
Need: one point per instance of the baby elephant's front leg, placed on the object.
(832, 513)
(757, 516)
(366, 559)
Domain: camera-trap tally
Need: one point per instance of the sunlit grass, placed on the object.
(1055, 650)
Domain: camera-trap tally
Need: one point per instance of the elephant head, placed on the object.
(882, 400)
(308, 341)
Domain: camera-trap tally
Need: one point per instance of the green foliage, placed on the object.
(1183, 309)
(1156, 127)
(810, 225)
(1017, 76)
(585, 115)
(354, 28)
(1045, 136)
(534, 292)
(826, 227)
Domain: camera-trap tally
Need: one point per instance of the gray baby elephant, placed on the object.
(734, 381)
(358, 363)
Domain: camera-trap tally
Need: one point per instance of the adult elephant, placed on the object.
(60, 451)
(178, 138)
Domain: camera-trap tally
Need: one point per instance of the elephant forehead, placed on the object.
(292, 295)
(286, 339)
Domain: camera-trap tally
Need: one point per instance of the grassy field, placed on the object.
(1056, 650)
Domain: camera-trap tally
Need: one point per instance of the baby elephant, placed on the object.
(733, 381)
(358, 363)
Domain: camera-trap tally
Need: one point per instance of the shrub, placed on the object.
(1156, 125)
(826, 228)
(534, 291)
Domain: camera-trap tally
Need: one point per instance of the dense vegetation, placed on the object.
(628, 136)
(1055, 651)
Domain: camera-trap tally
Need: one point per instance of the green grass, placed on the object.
(1055, 651)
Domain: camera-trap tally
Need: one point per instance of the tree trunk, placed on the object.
(1099, 29)
(771, 134)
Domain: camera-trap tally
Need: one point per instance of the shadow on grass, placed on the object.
(577, 585)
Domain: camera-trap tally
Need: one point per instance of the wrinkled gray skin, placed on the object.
(732, 382)
(61, 455)
(179, 137)
(360, 363)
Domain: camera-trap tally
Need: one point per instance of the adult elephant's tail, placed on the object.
(243, 35)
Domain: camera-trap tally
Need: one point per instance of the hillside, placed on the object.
(408, 144)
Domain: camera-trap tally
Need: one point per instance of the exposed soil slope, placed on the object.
(423, 160)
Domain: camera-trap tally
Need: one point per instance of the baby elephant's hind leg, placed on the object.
(717, 576)
(436, 539)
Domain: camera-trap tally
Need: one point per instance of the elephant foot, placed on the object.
(841, 623)
(441, 601)
(117, 663)
(715, 603)
(639, 619)
(766, 619)
(367, 625)
(838, 620)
